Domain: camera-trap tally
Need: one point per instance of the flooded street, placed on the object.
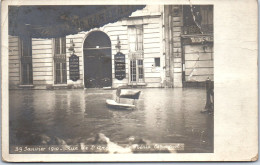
(163, 115)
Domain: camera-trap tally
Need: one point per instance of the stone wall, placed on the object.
(42, 63)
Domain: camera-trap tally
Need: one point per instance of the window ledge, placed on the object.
(195, 35)
(60, 85)
(24, 86)
(133, 83)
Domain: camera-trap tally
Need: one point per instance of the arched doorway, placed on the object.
(97, 60)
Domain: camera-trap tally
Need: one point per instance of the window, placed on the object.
(198, 19)
(135, 38)
(60, 45)
(140, 71)
(137, 71)
(207, 19)
(133, 70)
(135, 34)
(61, 76)
(26, 61)
(60, 61)
(157, 62)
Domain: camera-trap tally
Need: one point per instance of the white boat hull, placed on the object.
(114, 104)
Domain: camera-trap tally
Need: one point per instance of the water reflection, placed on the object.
(162, 116)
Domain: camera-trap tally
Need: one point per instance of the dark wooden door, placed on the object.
(97, 61)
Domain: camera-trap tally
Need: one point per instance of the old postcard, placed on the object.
(129, 81)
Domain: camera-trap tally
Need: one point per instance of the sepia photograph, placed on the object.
(134, 79)
(111, 79)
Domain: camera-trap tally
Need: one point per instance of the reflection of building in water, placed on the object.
(163, 46)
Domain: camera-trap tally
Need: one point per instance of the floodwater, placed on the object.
(163, 115)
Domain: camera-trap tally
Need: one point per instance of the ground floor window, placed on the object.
(60, 73)
(60, 61)
(157, 62)
(26, 60)
(27, 73)
(136, 70)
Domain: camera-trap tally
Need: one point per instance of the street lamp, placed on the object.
(118, 46)
(71, 48)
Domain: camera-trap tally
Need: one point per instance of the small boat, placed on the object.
(129, 94)
(124, 93)
(107, 88)
(114, 104)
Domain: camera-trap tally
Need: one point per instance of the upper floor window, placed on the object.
(135, 34)
(26, 46)
(60, 45)
(198, 19)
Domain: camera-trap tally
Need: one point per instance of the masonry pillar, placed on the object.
(167, 49)
(176, 14)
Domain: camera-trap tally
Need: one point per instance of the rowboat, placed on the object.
(129, 94)
(124, 93)
(114, 104)
(107, 88)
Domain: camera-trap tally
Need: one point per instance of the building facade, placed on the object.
(189, 44)
(161, 46)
